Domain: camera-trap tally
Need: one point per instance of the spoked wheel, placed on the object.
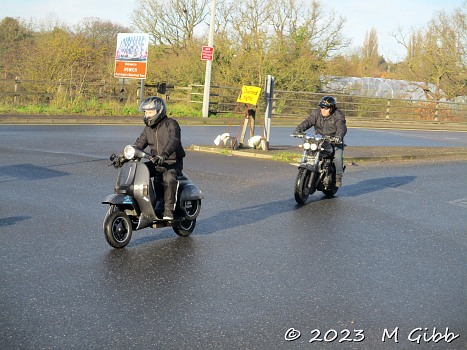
(118, 229)
(185, 228)
(192, 208)
(302, 192)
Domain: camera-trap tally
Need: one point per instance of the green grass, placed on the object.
(96, 108)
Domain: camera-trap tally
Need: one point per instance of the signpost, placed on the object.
(207, 53)
(131, 55)
(131, 58)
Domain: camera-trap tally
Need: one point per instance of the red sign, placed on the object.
(207, 53)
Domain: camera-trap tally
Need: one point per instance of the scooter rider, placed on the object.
(163, 135)
(328, 120)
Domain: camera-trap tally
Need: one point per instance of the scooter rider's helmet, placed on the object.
(328, 102)
(156, 104)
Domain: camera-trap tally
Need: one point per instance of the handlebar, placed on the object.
(332, 139)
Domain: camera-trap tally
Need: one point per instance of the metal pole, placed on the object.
(269, 95)
(207, 79)
(141, 91)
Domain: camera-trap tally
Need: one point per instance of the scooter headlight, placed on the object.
(129, 152)
(314, 146)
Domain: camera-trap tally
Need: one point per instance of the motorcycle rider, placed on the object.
(163, 135)
(328, 120)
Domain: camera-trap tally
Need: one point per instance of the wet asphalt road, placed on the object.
(387, 253)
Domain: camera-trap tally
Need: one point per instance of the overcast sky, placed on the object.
(385, 16)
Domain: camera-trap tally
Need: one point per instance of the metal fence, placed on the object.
(300, 103)
(223, 99)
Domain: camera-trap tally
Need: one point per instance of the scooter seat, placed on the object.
(182, 177)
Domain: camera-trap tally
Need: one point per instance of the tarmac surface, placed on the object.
(292, 154)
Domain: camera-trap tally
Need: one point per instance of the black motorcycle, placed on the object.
(316, 170)
(135, 204)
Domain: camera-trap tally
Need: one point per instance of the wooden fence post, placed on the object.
(17, 89)
(388, 109)
(436, 111)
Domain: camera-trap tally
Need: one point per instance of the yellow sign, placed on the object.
(249, 95)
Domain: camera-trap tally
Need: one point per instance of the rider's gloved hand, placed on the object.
(158, 160)
(296, 132)
(337, 140)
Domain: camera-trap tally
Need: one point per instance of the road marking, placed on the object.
(459, 202)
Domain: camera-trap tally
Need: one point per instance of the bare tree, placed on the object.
(170, 23)
(13, 35)
(437, 55)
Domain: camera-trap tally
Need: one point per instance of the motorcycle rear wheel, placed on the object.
(118, 229)
(302, 192)
(185, 228)
(329, 193)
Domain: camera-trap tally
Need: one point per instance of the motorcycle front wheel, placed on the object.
(118, 229)
(302, 192)
(185, 228)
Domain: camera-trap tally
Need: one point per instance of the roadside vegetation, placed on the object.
(298, 42)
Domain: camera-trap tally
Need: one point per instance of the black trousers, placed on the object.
(166, 183)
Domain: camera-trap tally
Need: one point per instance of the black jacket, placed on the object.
(334, 125)
(164, 139)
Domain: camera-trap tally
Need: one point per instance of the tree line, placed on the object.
(298, 42)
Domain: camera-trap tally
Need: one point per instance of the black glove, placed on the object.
(158, 160)
(337, 140)
(297, 132)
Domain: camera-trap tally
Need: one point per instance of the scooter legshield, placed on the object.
(121, 200)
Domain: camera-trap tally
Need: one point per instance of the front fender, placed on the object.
(310, 167)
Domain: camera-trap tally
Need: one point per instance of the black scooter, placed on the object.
(135, 205)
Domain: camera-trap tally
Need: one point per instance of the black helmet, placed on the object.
(328, 102)
(153, 103)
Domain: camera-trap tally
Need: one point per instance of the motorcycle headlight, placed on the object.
(306, 145)
(314, 146)
(129, 152)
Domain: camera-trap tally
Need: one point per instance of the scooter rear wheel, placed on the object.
(185, 228)
(192, 208)
(118, 229)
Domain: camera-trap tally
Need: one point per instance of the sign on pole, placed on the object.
(249, 95)
(207, 53)
(131, 55)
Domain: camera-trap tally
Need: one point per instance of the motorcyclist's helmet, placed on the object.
(328, 102)
(156, 104)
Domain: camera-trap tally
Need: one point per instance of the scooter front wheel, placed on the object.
(118, 229)
(185, 228)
